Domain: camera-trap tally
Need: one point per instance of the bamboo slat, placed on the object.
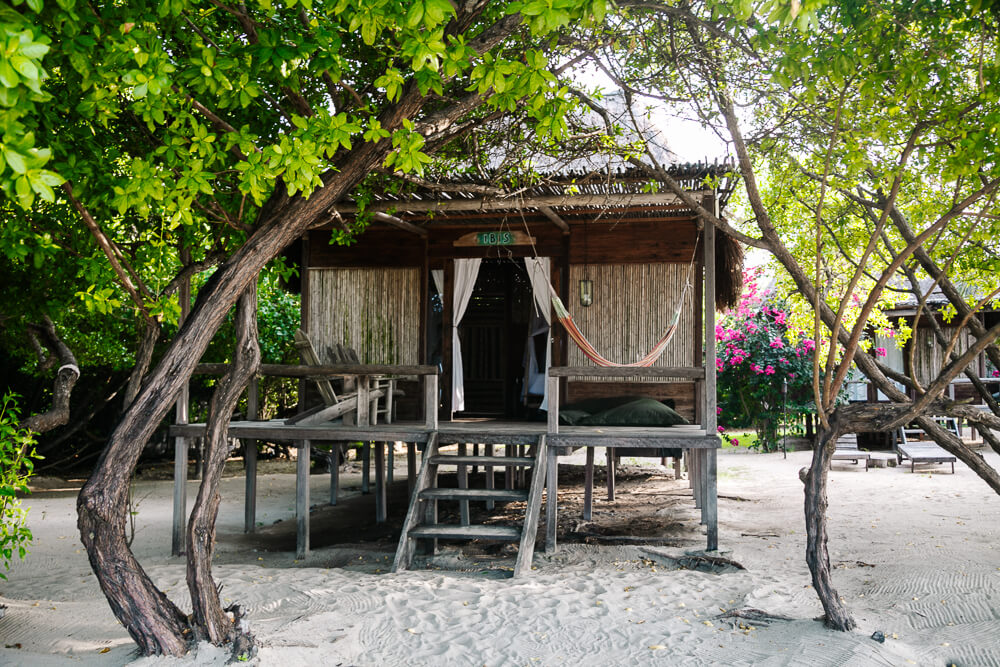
(375, 311)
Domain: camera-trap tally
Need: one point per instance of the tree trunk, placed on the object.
(156, 625)
(62, 388)
(817, 556)
(210, 620)
(143, 359)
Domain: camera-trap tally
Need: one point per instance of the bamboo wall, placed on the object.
(633, 304)
(375, 311)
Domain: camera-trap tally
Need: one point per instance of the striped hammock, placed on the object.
(591, 353)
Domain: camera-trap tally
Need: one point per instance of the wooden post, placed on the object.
(508, 473)
(610, 454)
(707, 467)
(677, 467)
(334, 472)
(475, 452)
(411, 465)
(363, 401)
(553, 413)
(380, 498)
(488, 471)
(710, 417)
(177, 546)
(180, 492)
(366, 467)
(463, 483)
(431, 506)
(302, 499)
(711, 499)
(390, 389)
(431, 402)
(390, 462)
(250, 463)
(588, 486)
(551, 499)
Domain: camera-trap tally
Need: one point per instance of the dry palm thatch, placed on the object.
(728, 271)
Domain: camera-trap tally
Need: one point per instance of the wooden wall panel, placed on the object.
(633, 242)
(376, 311)
(633, 304)
(929, 354)
(377, 246)
(599, 242)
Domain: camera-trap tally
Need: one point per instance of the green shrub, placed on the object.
(17, 464)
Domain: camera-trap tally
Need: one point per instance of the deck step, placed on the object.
(526, 461)
(449, 531)
(499, 495)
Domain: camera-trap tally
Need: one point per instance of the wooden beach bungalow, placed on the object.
(492, 312)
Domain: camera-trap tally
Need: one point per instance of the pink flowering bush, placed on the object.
(757, 353)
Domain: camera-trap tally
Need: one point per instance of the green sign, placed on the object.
(495, 238)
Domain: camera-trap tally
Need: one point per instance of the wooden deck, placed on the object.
(700, 448)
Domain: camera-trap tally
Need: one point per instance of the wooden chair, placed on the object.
(345, 406)
(909, 446)
(847, 450)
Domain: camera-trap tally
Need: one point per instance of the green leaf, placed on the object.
(415, 15)
(15, 160)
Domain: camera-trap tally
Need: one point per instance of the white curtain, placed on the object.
(539, 270)
(437, 275)
(466, 271)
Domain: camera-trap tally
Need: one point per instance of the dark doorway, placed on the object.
(493, 334)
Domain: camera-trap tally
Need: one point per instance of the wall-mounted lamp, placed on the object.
(586, 292)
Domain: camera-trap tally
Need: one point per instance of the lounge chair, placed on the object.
(847, 450)
(920, 451)
(334, 406)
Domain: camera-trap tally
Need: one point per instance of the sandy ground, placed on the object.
(916, 558)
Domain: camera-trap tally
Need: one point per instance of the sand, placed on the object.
(915, 557)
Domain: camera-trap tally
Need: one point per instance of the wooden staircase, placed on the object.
(421, 518)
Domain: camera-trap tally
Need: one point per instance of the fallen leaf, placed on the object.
(412, 631)
(104, 650)
(657, 647)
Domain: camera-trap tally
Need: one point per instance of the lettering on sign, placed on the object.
(495, 238)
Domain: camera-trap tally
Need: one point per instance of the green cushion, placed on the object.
(601, 403)
(638, 412)
(572, 417)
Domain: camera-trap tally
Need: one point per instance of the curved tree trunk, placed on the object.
(210, 620)
(156, 625)
(143, 359)
(817, 556)
(62, 388)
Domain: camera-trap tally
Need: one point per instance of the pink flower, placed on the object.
(996, 374)
(809, 344)
(756, 369)
(736, 442)
(791, 376)
(719, 332)
(776, 343)
(718, 409)
(722, 429)
(783, 360)
(719, 364)
(769, 370)
(880, 351)
(751, 327)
